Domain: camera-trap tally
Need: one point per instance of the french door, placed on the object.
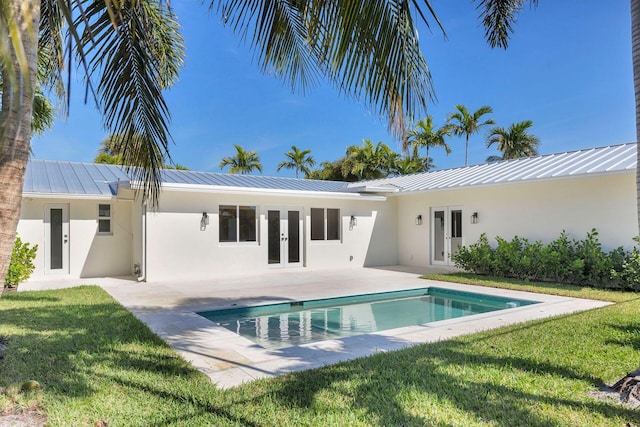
(446, 233)
(56, 238)
(284, 237)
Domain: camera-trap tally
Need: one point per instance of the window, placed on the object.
(456, 224)
(325, 224)
(237, 223)
(104, 219)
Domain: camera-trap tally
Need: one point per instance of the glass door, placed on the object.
(284, 237)
(446, 234)
(56, 233)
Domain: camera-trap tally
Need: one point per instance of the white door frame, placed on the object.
(447, 229)
(286, 237)
(60, 237)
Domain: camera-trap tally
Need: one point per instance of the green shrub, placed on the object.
(21, 265)
(579, 262)
(628, 272)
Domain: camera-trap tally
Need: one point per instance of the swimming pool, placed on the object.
(299, 322)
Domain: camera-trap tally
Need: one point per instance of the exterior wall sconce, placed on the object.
(204, 221)
(474, 218)
(419, 219)
(353, 221)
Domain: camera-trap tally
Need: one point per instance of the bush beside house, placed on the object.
(21, 265)
(565, 260)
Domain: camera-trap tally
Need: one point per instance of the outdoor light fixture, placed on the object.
(353, 221)
(474, 218)
(204, 221)
(419, 219)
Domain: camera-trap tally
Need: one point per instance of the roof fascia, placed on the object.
(68, 196)
(194, 188)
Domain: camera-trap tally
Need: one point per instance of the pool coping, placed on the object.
(170, 308)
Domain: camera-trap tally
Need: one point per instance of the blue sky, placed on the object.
(568, 69)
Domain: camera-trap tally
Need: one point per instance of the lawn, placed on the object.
(96, 361)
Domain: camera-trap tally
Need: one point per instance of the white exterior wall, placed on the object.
(178, 248)
(90, 254)
(536, 211)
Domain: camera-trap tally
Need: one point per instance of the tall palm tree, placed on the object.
(514, 142)
(424, 134)
(242, 162)
(131, 51)
(464, 123)
(297, 159)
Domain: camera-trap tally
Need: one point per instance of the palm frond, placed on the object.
(499, 17)
(134, 58)
(369, 49)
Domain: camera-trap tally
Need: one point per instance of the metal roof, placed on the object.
(71, 178)
(51, 177)
(171, 176)
(592, 161)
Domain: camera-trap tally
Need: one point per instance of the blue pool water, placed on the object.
(294, 323)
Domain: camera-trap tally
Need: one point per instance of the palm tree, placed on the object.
(299, 160)
(242, 162)
(132, 51)
(368, 161)
(514, 142)
(426, 135)
(407, 165)
(114, 148)
(464, 123)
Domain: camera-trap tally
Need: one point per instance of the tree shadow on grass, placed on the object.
(630, 335)
(425, 372)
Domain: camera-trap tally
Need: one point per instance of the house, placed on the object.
(87, 220)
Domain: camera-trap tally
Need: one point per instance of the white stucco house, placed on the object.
(87, 221)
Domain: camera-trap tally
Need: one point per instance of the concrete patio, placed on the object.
(169, 309)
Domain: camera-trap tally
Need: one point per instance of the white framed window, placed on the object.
(237, 223)
(325, 224)
(104, 219)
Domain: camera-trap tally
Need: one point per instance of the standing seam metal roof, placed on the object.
(72, 178)
(592, 161)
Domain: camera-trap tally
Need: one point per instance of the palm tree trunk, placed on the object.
(466, 151)
(15, 132)
(635, 51)
(629, 385)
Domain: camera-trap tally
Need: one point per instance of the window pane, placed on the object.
(333, 224)
(104, 211)
(294, 236)
(227, 224)
(456, 224)
(317, 224)
(56, 238)
(247, 224)
(104, 226)
(273, 217)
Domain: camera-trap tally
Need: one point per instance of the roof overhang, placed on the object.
(374, 189)
(342, 195)
(69, 196)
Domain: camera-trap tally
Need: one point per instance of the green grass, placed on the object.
(96, 361)
(540, 287)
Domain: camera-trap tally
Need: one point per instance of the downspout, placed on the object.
(143, 261)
